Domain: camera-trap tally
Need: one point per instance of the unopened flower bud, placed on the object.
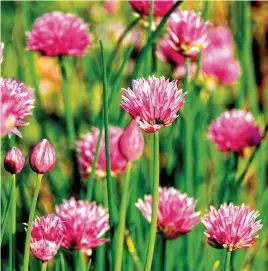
(131, 143)
(43, 157)
(14, 161)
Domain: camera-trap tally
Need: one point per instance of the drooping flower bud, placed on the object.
(42, 157)
(131, 143)
(14, 161)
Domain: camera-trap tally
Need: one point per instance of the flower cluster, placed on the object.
(16, 104)
(231, 227)
(234, 130)
(58, 34)
(46, 237)
(85, 224)
(153, 102)
(176, 215)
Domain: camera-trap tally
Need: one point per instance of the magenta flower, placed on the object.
(220, 50)
(234, 130)
(231, 227)
(176, 215)
(16, 104)
(57, 34)
(14, 161)
(188, 33)
(168, 54)
(47, 236)
(42, 157)
(131, 142)
(154, 102)
(86, 148)
(85, 224)
(161, 8)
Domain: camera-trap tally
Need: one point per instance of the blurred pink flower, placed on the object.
(85, 224)
(154, 101)
(16, 104)
(86, 148)
(161, 8)
(56, 34)
(220, 50)
(47, 236)
(42, 157)
(14, 160)
(231, 227)
(187, 32)
(176, 215)
(234, 130)
(112, 6)
(131, 142)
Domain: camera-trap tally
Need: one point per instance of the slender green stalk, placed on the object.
(153, 229)
(116, 49)
(91, 179)
(67, 105)
(44, 266)
(12, 240)
(110, 192)
(6, 213)
(120, 71)
(30, 222)
(80, 261)
(227, 265)
(89, 264)
(122, 220)
(62, 262)
(164, 254)
(189, 132)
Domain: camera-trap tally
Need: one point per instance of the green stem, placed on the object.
(124, 34)
(107, 151)
(122, 220)
(91, 179)
(153, 229)
(13, 226)
(80, 261)
(62, 262)
(6, 213)
(187, 71)
(30, 222)
(164, 253)
(67, 105)
(227, 265)
(44, 266)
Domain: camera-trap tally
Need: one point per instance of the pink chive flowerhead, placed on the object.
(176, 215)
(187, 32)
(234, 130)
(231, 227)
(153, 102)
(14, 161)
(42, 157)
(161, 8)
(16, 104)
(220, 50)
(131, 142)
(85, 224)
(46, 237)
(59, 34)
(86, 148)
